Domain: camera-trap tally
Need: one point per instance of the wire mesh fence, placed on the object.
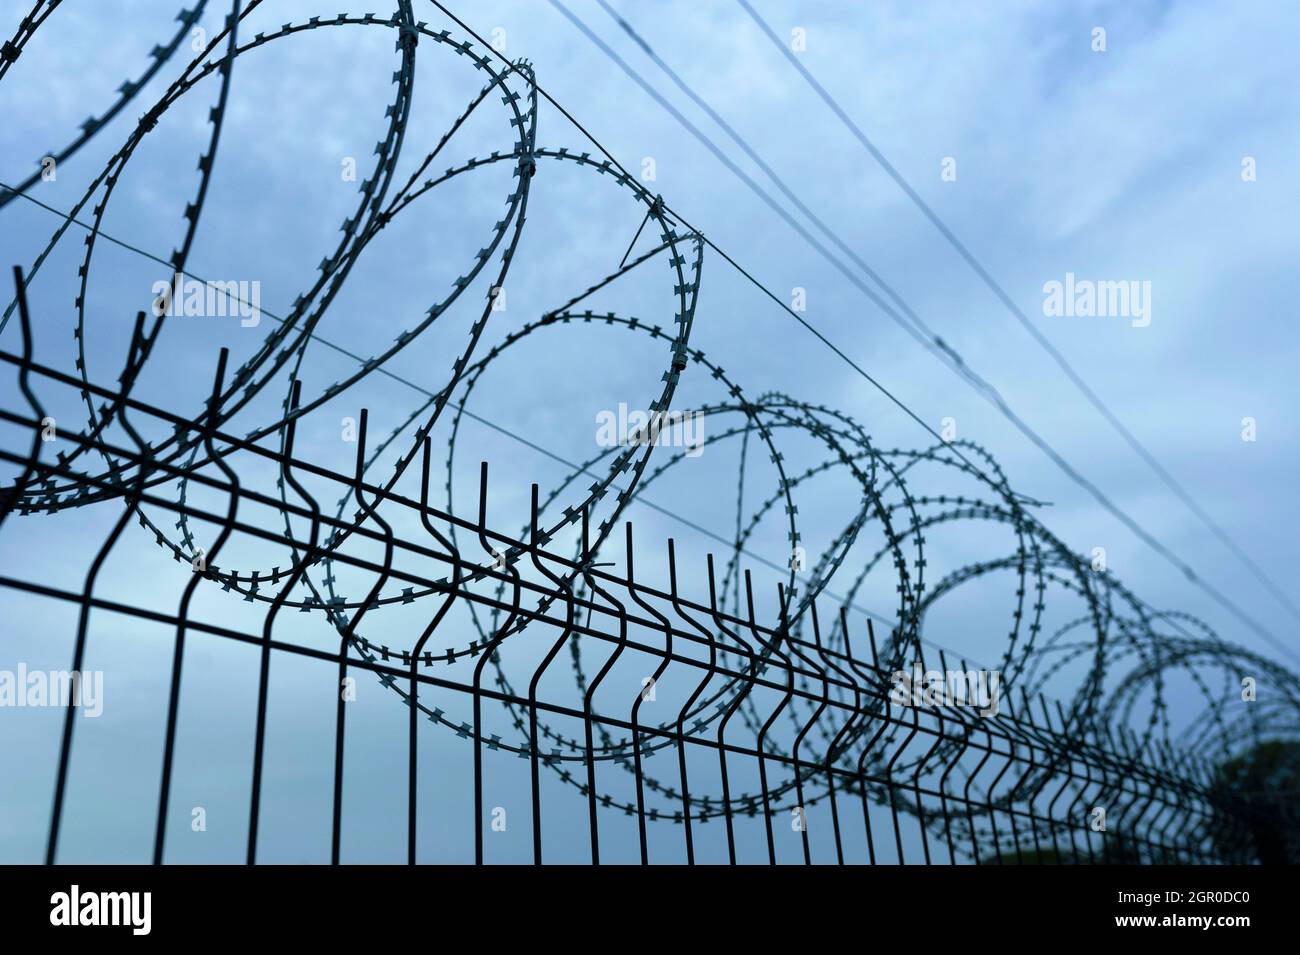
(599, 694)
(324, 663)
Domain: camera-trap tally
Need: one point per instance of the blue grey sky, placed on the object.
(1122, 164)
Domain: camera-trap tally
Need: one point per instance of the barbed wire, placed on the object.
(776, 690)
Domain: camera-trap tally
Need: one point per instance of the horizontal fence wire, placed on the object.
(627, 703)
(984, 788)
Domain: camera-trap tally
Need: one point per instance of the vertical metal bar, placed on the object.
(489, 650)
(132, 497)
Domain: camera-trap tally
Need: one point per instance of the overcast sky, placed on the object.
(1170, 157)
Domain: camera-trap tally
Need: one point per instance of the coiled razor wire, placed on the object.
(836, 735)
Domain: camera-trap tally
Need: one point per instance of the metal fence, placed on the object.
(803, 707)
(679, 712)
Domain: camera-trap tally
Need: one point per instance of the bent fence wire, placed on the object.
(605, 712)
(806, 710)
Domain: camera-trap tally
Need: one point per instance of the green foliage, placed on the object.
(1258, 797)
